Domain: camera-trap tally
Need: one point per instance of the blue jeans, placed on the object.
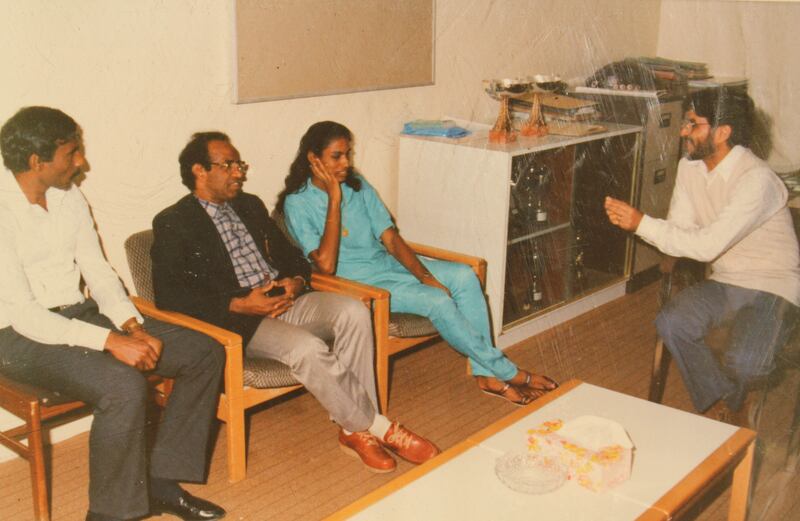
(761, 325)
(462, 320)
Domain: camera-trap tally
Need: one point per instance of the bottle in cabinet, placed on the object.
(535, 299)
(529, 195)
(542, 175)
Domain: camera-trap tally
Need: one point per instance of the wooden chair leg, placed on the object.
(757, 407)
(234, 405)
(661, 359)
(41, 507)
(382, 374)
(237, 445)
(793, 447)
(381, 327)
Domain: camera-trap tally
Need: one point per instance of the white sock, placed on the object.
(380, 426)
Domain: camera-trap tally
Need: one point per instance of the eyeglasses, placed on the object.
(691, 124)
(228, 165)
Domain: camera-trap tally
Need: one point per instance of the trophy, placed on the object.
(502, 90)
(538, 84)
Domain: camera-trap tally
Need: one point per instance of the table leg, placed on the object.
(740, 488)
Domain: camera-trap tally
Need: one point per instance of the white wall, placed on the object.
(141, 76)
(756, 40)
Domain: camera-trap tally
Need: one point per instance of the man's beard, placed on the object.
(701, 150)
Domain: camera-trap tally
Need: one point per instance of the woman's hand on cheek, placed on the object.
(328, 180)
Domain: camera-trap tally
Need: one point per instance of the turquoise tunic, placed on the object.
(462, 320)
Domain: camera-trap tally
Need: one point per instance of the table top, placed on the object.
(479, 138)
(676, 455)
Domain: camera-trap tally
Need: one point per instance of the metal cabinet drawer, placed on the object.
(656, 184)
(662, 133)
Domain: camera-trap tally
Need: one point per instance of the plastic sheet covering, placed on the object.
(141, 77)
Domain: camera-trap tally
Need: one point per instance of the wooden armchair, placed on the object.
(247, 382)
(36, 407)
(250, 382)
(395, 332)
(41, 409)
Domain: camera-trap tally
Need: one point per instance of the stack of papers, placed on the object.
(668, 69)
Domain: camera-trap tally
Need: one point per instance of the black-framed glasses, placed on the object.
(243, 166)
(691, 124)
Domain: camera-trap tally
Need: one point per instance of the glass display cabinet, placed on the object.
(533, 209)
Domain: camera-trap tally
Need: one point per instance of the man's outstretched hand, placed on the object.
(622, 214)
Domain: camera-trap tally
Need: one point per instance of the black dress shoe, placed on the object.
(188, 508)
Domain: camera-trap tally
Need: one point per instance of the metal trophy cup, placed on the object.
(501, 90)
(536, 125)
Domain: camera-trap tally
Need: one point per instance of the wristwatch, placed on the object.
(131, 325)
(306, 284)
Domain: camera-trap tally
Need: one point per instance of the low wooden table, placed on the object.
(678, 457)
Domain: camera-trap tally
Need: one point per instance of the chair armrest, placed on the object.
(678, 273)
(477, 264)
(15, 394)
(351, 288)
(667, 264)
(223, 336)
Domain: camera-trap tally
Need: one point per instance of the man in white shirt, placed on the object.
(97, 350)
(728, 209)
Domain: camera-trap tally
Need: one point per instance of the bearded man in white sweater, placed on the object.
(728, 209)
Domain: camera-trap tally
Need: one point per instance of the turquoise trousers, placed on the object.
(462, 320)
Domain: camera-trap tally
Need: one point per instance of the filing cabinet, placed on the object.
(660, 116)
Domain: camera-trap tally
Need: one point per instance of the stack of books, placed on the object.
(667, 69)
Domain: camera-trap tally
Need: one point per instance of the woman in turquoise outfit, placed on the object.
(341, 224)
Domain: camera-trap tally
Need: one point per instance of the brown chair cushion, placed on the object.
(410, 325)
(137, 249)
(263, 373)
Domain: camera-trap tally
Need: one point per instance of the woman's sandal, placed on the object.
(549, 386)
(524, 399)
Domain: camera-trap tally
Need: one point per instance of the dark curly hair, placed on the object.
(35, 130)
(196, 152)
(725, 106)
(316, 139)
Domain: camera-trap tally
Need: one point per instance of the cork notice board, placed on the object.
(299, 48)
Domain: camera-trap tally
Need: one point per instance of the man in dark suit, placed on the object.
(98, 350)
(218, 256)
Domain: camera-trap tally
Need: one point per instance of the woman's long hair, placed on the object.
(316, 139)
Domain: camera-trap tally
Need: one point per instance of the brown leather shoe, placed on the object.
(365, 446)
(408, 445)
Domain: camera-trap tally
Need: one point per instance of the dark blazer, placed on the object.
(192, 271)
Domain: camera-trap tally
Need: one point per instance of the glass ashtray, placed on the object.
(530, 473)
